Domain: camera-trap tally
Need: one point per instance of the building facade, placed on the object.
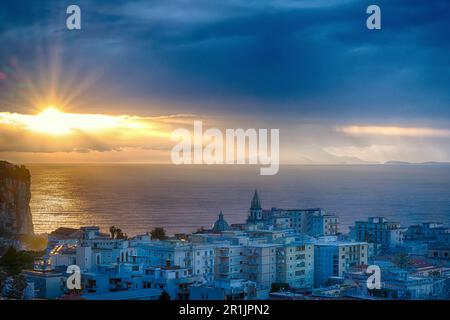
(333, 257)
(378, 230)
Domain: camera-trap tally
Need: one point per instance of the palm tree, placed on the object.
(402, 260)
(112, 231)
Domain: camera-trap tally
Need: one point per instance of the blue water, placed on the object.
(181, 199)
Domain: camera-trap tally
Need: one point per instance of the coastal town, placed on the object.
(278, 254)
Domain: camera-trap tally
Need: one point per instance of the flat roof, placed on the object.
(339, 243)
(263, 245)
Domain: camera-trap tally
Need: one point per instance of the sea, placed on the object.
(181, 199)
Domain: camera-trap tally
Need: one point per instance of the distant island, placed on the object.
(429, 163)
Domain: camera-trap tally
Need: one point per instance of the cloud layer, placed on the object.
(338, 92)
(300, 58)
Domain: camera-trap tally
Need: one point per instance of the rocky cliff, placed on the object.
(15, 194)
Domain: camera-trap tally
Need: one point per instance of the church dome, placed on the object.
(220, 225)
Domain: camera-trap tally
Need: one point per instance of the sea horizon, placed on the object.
(182, 199)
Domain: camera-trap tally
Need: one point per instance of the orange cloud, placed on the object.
(53, 131)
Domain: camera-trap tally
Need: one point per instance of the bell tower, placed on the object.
(255, 208)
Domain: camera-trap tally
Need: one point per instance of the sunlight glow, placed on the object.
(55, 122)
(394, 131)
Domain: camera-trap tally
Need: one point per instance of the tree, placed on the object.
(112, 232)
(164, 296)
(3, 277)
(277, 287)
(13, 261)
(116, 233)
(121, 235)
(402, 261)
(19, 284)
(159, 233)
(380, 293)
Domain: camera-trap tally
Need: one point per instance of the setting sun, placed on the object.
(51, 121)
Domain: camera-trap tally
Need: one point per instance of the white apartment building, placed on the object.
(295, 262)
(159, 253)
(262, 264)
(203, 259)
(230, 262)
(256, 262)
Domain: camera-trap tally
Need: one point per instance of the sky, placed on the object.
(338, 92)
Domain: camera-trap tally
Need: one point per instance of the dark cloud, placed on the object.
(269, 57)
